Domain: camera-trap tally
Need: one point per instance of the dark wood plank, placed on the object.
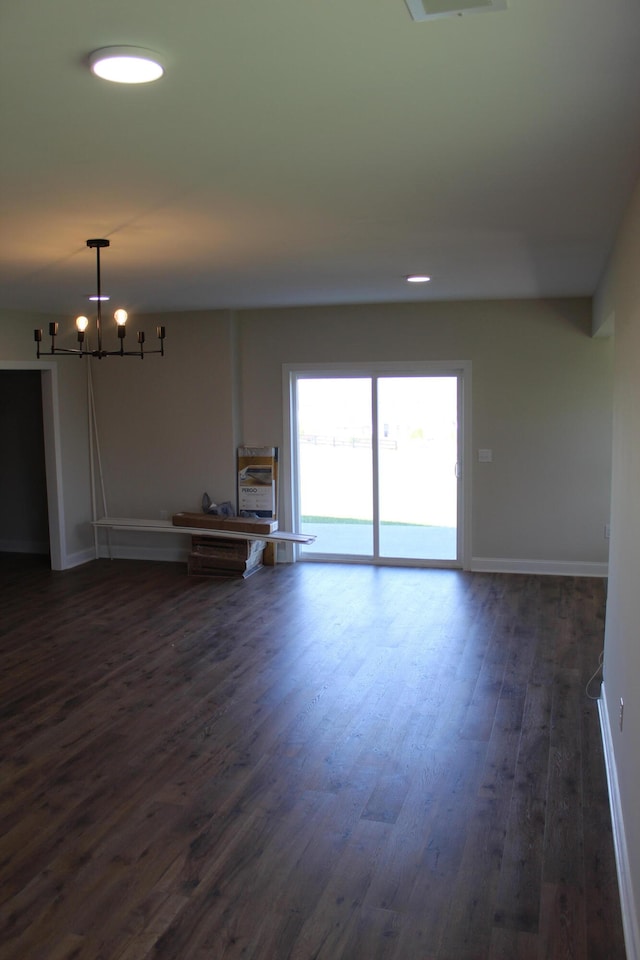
(320, 761)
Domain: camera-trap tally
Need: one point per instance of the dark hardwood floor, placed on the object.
(322, 761)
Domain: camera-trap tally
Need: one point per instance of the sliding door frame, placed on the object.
(291, 372)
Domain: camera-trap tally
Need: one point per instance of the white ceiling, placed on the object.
(314, 151)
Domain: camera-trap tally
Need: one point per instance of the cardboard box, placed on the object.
(217, 549)
(199, 567)
(207, 521)
(258, 480)
(213, 557)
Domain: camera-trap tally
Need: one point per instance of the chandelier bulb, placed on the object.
(120, 317)
(81, 324)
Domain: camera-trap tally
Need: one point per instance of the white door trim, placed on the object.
(459, 368)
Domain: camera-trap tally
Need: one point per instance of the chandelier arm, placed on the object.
(60, 350)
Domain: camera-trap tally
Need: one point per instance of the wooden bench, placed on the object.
(168, 526)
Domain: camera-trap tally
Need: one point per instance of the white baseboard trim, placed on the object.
(166, 554)
(627, 902)
(561, 568)
(478, 564)
(23, 546)
(77, 559)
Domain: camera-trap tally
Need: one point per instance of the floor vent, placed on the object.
(434, 9)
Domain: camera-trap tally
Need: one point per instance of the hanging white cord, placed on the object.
(92, 478)
(597, 672)
(95, 444)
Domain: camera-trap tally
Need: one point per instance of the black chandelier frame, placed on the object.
(99, 352)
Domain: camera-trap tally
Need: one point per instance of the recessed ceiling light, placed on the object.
(126, 64)
(417, 278)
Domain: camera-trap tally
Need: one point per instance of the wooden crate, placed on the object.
(214, 557)
(234, 549)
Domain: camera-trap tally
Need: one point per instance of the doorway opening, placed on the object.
(24, 518)
(46, 395)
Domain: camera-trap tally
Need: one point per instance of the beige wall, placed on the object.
(541, 401)
(166, 425)
(168, 428)
(622, 638)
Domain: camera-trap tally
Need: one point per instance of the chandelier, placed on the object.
(120, 317)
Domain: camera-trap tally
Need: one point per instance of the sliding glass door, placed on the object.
(377, 466)
(335, 466)
(417, 467)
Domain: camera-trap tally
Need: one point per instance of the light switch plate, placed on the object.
(485, 456)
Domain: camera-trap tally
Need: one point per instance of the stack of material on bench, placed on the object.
(214, 522)
(214, 557)
(218, 557)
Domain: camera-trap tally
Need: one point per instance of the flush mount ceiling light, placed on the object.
(126, 64)
(120, 317)
(417, 278)
(435, 9)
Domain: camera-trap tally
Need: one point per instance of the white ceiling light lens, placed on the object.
(418, 278)
(126, 65)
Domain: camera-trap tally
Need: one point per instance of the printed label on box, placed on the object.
(256, 497)
(258, 481)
